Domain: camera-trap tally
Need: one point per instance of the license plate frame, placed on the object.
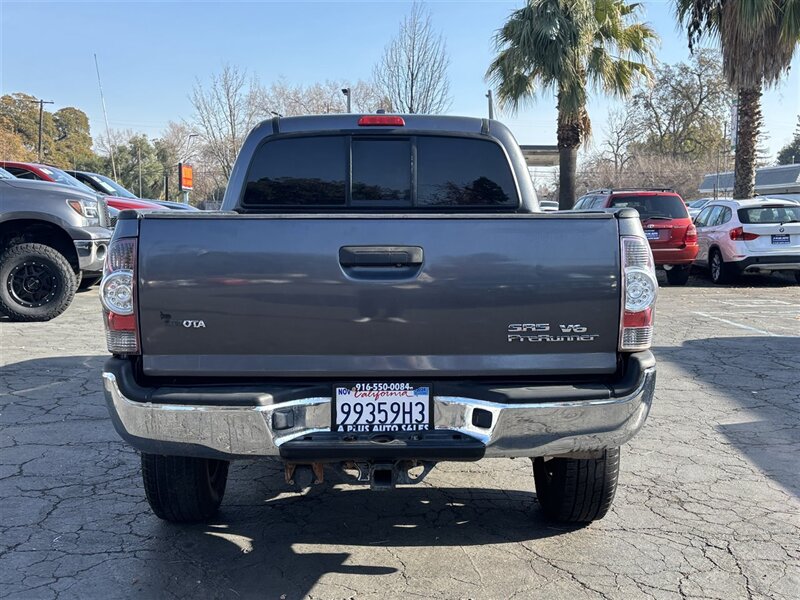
(651, 234)
(380, 395)
(781, 239)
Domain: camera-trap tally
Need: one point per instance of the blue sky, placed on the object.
(151, 53)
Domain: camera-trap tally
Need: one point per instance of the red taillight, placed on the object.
(738, 234)
(643, 318)
(639, 291)
(381, 120)
(118, 296)
(691, 235)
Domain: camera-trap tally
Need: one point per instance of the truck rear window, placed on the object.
(668, 206)
(373, 172)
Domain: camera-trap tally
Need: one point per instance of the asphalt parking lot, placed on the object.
(709, 503)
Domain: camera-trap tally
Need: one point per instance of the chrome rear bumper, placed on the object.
(516, 430)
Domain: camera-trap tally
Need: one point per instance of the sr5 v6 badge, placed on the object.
(539, 332)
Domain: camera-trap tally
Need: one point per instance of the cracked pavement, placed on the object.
(708, 504)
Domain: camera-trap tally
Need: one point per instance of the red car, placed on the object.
(666, 222)
(55, 175)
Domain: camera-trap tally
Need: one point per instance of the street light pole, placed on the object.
(491, 104)
(346, 92)
(41, 104)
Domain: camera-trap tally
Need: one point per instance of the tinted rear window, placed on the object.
(659, 205)
(463, 172)
(313, 172)
(381, 172)
(769, 214)
(298, 172)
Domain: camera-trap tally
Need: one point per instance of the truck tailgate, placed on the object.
(378, 296)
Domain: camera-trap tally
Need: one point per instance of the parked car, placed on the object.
(664, 215)
(374, 314)
(175, 205)
(53, 239)
(52, 174)
(105, 185)
(695, 206)
(548, 205)
(749, 236)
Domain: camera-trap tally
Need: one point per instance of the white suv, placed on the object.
(748, 236)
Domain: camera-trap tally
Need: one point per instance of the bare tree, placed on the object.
(225, 111)
(318, 98)
(622, 131)
(412, 73)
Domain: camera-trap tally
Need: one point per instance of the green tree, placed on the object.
(570, 47)
(683, 113)
(66, 141)
(790, 153)
(758, 39)
(72, 145)
(20, 116)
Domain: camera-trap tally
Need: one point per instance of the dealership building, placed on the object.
(783, 179)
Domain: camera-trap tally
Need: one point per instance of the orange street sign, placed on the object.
(185, 177)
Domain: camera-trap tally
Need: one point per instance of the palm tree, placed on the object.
(758, 39)
(568, 47)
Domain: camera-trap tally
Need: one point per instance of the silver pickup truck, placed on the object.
(53, 240)
(380, 293)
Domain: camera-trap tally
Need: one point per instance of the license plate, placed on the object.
(651, 234)
(381, 406)
(781, 239)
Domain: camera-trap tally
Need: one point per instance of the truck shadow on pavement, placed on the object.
(760, 377)
(286, 545)
(267, 541)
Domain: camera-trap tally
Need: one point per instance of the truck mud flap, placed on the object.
(330, 446)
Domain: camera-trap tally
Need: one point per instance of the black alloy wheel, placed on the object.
(32, 284)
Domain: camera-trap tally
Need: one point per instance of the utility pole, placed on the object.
(139, 160)
(491, 104)
(346, 92)
(41, 104)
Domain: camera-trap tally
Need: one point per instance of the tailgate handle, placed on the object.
(380, 256)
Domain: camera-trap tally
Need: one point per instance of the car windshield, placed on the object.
(115, 188)
(769, 214)
(657, 206)
(6, 175)
(698, 203)
(63, 178)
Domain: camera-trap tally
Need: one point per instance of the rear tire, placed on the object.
(37, 282)
(181, 489)
(797, 276)
(576, 490)
(678, 275)
(721, 272)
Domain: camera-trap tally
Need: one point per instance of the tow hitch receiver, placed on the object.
(384, 476)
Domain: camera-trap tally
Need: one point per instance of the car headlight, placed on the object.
(88, 209)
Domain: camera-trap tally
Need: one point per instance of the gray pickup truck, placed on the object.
(52, 237)
(380, 293)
